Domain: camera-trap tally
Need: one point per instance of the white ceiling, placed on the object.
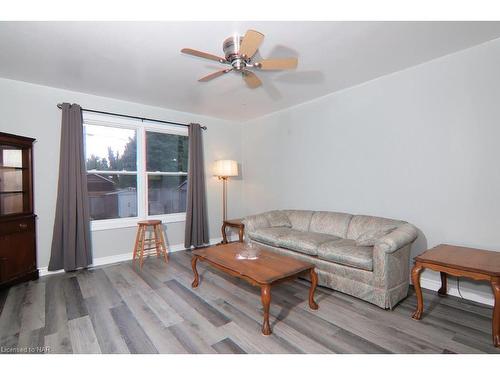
(141, 62)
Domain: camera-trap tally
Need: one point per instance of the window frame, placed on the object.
(141, 127)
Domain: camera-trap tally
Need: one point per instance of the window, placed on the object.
(166, 166)
(135, 170)
(111, 159)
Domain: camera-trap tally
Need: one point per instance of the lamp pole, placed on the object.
(224, 197)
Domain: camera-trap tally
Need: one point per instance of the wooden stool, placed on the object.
(156, 239)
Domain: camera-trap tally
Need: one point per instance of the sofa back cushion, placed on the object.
(278, 219)
(334, 223)
(361, 223)
(300, 219)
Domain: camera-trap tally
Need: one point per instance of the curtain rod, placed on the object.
(129, 116)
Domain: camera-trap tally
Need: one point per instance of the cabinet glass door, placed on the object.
(13, 180)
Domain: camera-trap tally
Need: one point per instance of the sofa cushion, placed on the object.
(335, 223)
(370, 237)
(254, 222)
(278, 219)
(304, 242)
(300, 219)
(346, 252)
(362, 223)
(269, 236)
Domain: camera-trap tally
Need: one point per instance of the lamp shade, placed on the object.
(225, 168)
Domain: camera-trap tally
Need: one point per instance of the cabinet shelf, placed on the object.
(13, 192)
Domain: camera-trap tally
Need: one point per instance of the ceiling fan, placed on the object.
(239, 52)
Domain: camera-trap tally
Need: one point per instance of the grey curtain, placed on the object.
(196, 214)
(71, 248)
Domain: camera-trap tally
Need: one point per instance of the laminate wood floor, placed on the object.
(120, 309)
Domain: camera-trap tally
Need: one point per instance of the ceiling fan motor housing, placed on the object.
(231, 47)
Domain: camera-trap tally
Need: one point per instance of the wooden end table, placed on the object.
(233, 223)
(266, 270)
(475, 264)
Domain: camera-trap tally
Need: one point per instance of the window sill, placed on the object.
(98, 225)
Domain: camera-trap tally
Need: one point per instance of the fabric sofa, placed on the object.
(364, 256)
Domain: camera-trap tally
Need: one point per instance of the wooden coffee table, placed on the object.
(475, 264)
(265, 271)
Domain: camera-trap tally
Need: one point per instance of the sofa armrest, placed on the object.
(397, 239)
(391, 258)
(254, 222)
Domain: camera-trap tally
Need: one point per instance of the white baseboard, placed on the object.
(102, 261)
(467, 293)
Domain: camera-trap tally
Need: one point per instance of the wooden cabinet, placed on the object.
(17, 219)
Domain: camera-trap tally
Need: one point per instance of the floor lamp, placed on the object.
(224, 169)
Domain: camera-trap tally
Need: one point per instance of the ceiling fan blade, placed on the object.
(278, 64)
(251, 42)
(251, 79)
(214, 75)
(204, 55)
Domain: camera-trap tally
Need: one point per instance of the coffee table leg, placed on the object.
(444, 285)
(194, 259)
(495, 285)
(415, 278)
(265, 295)
(314, 282)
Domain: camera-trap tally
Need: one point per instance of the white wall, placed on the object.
(30, 110)
(422, 145)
